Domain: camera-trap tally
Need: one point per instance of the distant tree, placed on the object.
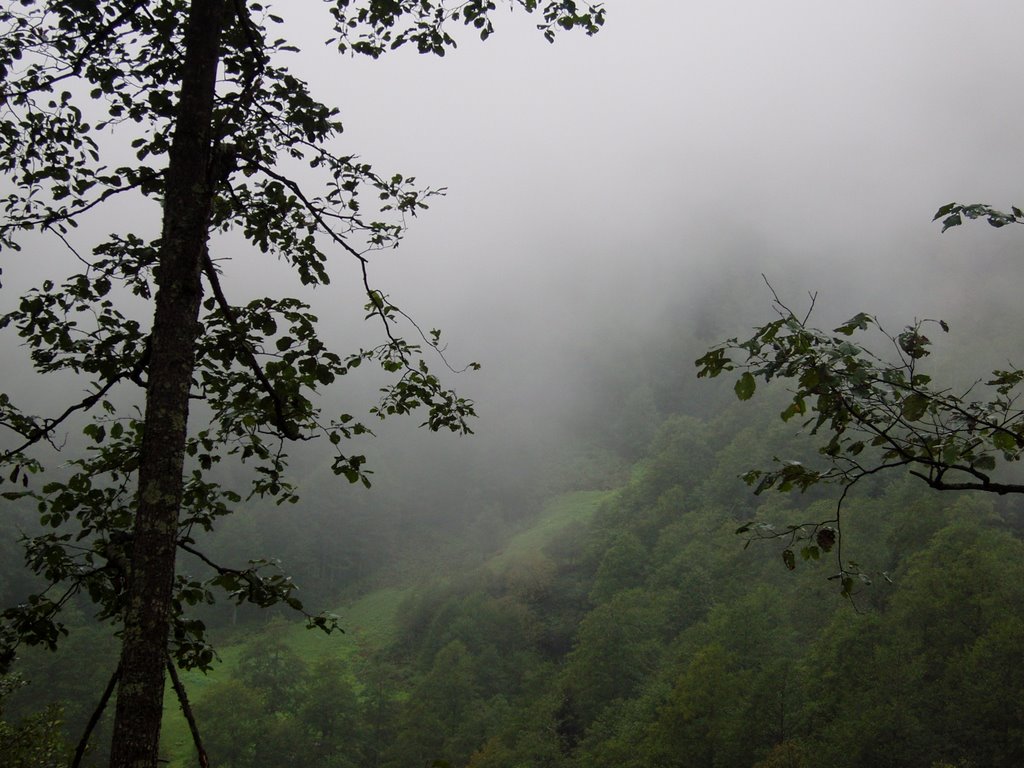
(936, 673)
(35, 741)
(330, 708)
(237, 721)
(617, 646)
(875, 410)
(788, 754)
(622, 567)
(701, 723)
(273, 669)
(217, 124)
(450, 689)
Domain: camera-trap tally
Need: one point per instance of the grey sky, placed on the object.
(596, 181)
(597, 165)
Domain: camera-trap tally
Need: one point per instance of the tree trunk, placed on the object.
(187, 201)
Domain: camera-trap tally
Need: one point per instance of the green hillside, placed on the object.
(633, 628)
(369, 623)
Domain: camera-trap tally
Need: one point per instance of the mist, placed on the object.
(616, 204)
(607, 194)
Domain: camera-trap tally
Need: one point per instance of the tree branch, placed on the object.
(286, 427)
(985, 485)
(95, 718)
(186, 709)
(48, 425)
(218, 568)
(75, 65)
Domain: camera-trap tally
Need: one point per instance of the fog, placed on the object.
(606, 195)
(602, 191)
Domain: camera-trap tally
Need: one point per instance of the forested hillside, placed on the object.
(628, 625)
(644, 634)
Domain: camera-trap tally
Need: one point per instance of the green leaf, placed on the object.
(914, 406)
(789, 559)
(847, 583)
(795, 408)
(985, 463)
(826, 538)
(712, 364)
(745, 386)
(857, 322)
(810, 552)
(1004, 441)
(950, 453)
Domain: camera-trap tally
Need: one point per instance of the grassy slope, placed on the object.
(370, 621)
(558, 513)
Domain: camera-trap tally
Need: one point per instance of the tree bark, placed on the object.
(187, 202)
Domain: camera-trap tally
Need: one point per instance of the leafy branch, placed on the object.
(876, 412)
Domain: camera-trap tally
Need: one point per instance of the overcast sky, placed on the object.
(600, 186)
(594, 182)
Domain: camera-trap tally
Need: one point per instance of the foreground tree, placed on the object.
(875, 410)
(216, 122)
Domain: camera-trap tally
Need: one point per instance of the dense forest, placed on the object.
(600, 610)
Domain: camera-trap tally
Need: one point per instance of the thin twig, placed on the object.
(42, 432)
(223, 570)
(380, 309)
(186, 709)
(95, 718)
(286, 427)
